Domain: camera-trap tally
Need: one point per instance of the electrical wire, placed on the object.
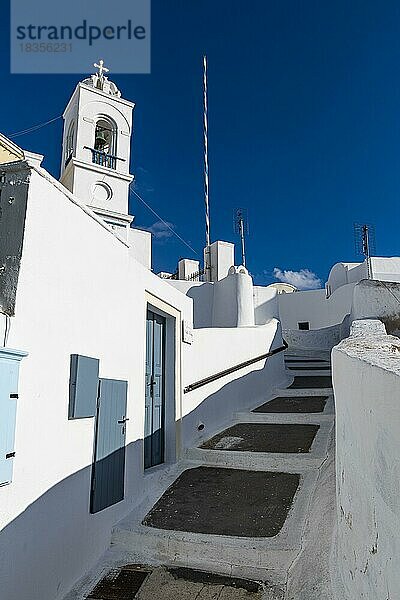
(40, 125)
(34, 128)
(164, 222)
(389, 290)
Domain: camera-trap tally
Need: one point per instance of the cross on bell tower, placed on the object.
(96, 147)
(102, 69)
(100, 75)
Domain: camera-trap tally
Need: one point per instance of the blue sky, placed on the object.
(304, 122)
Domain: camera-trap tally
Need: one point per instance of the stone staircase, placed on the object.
(239, 504)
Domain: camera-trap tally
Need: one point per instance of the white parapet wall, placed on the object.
(317, 339)
(215, 350)
(378, 299)
(265, 304)
(366, 379)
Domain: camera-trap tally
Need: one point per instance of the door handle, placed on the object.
(152, 383)
(123, 420)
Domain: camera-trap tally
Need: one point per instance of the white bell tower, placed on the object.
(96, 148)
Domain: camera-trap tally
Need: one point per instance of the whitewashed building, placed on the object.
(98, 354)
(328, 312)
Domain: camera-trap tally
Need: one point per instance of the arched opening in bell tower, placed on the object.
(105, 143)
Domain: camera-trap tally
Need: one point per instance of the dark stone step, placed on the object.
(228, 502)
(120, 584)
(171, 583)
(293, 404)
(305, 360)
(264, 437)
(302, 368)
(206, 578)
(311, 381)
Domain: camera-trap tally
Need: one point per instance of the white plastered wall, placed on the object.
(265, 304)
(81, 291)
(380, 300)
(386, 268)
(215, 350)
(366, 379)
(314, 307)
(140, 243)
(225, 303)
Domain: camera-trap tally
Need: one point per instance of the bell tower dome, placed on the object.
(96, 148)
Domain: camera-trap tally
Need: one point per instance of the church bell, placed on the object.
(101, 140)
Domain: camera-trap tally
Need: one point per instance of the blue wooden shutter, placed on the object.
(9, 369)
(83, 386)
(108, 473)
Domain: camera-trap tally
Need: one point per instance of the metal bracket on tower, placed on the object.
(364, 241)
(241, 226)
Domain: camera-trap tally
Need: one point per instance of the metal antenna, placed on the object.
(364, 240)
(206, 196)
(241, 226)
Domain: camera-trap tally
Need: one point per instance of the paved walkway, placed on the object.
(255, 503)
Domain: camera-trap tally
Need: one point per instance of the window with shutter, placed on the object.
(83, 386)
(9, 372)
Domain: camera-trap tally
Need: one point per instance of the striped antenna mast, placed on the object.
(206, 187)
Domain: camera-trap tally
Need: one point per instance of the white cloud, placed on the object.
(143, 183)
(161, 231)
(303, 279)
